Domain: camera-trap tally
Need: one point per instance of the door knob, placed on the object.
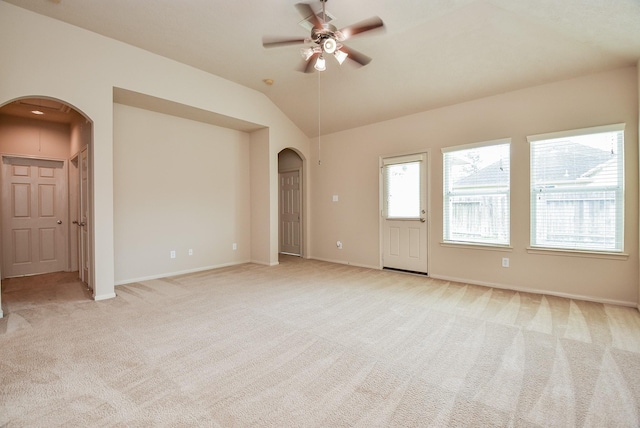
(59, 221)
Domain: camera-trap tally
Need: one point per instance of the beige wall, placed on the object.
(33, 137)
(260, 210)
(350, 169)
(83, 68)
(80, 135)
(178, 185)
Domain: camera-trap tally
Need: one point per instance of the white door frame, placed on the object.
(301, 208)
(79, 238)
(427, 201)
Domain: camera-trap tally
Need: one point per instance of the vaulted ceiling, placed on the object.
(431, 53)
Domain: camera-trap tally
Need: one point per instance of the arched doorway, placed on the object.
(290, 203)
(45, 184)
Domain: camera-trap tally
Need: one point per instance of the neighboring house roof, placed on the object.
(567, 161)
(489, 176)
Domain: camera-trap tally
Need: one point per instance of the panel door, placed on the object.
(404, 214)
(34, 215)
(290, 204)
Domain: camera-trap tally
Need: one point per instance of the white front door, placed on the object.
(290, 203)
(404, 213)
(34, 216)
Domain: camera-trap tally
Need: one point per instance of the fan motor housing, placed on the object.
(327, 31)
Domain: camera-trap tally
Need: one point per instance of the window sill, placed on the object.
(476, 246)
(579, 253)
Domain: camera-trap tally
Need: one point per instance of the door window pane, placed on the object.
(402, 186)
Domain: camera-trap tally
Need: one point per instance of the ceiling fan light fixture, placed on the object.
(320, 64)
(340, 56)
(329, 45)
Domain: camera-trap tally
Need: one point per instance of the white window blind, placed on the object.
(577, 192)
(476, 194)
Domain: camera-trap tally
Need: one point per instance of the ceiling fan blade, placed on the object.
(306, 11)
(361, 27)
(356, 56)
(307, 67)
(278, 42)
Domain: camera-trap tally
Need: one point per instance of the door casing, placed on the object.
(423, 268)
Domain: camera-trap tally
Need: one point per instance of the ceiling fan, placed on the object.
(326, 39)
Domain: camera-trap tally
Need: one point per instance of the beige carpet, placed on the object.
(309, 343)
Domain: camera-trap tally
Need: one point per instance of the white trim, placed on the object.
(342, 262)
(506, 140)
(476, 246)
(104, 297)
(578, 253)
(264, 263)
(576, 132)
(182, 272)
(538, 291)
(394, 160)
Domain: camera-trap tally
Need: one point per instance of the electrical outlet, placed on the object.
(234, 246)
(190, 251)
(172, 254)
(505, 262)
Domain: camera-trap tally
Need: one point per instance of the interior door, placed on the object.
(83, 218)
(290, 204)
(404, 213)
(34, 213)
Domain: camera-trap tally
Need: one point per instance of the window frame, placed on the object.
(497, 190)
(618, 189)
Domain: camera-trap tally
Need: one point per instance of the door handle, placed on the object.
(81, 224)
(59, 221)
(422, 219)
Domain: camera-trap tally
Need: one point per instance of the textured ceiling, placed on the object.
(432, 53)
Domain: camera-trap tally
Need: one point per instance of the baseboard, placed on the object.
(257, 262)
(538, 291)
(182, 272)
(342, 262)
(104, 296)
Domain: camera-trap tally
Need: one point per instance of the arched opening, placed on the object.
(290, 203)
(45, 187)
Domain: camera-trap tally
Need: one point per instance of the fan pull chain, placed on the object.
(319, 129)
